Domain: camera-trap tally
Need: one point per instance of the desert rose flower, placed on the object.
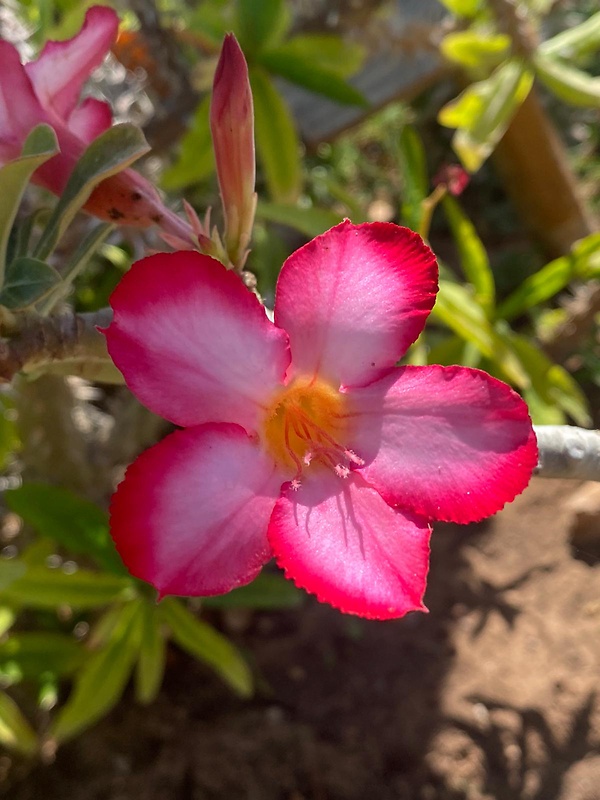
(47, 90)
(302, 439)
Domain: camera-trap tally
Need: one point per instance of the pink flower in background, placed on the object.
(302, 439)
(47, 90)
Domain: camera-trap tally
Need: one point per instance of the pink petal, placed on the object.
(88, 120)
(62, 68)
(339, 540)
(193, 343)
(191, 515)
(20, 110)
(354, 299)
(450, 443)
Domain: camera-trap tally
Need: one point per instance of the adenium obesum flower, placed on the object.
(302, 439)
(47, 90)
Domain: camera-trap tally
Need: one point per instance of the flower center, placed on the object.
(306, 424)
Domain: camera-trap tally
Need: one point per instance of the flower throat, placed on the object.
(306, 424)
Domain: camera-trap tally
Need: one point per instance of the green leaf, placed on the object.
(415, 180)
(474, 261)
(11, 569)
(451, 350)
(97, 368)
(552, 384)
(581, 263)
(112, 151)
(7, 619)
(27, 281)
(71, 521)
(462, 8)
(574, 42)
(77, 263)
(309, 221)
(42, 587)
(262, 24)
(30, 655)
(483, 112)
(206, 644)
(570, 84)
(266, 591)
(150, 666)
(9, 435)
(40, 145)
(276, 139)
(313, 77)
(457, 309)
(196, 159)
(15, 732)
(326, 51)
(475, 50)
(100, 683)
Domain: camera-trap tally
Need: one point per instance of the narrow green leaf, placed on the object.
(71, 521)
(266, 591)
(9, 432)
(475, 51)
(261, 25)
(451, 350)
(550, 382)
(413, 172)
(570, 84)
(11, 570)
(553, 277)
(483, 112)
(77, 263)
(7, 619)
(15, 732)
(196, 159)
(326, 51)
(474, 261)
(309, 221)
(206, 644)
(574, 42)
(457, 309)
(112, 151)
(276, 139)
(27, 281)
(462, 8)
(40, 145)
(30, 655)
(311, 76)
(97, 368)
(42, 587)
(100, 683)
(150, 665)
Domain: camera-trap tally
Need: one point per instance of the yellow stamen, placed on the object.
(306, 424)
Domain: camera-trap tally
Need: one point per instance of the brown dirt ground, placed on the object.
(491, 696)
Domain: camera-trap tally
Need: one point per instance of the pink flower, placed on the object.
(47, 90)
(302, 439)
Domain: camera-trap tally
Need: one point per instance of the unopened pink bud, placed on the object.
(232, 128)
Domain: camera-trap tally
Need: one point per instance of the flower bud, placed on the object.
(232, 128)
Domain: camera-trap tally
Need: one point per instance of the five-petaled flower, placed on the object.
(47, 90)
(302, 439)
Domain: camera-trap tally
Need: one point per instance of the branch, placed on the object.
(568, 452)
(66, 344)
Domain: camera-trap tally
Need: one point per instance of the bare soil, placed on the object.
(490, 696)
